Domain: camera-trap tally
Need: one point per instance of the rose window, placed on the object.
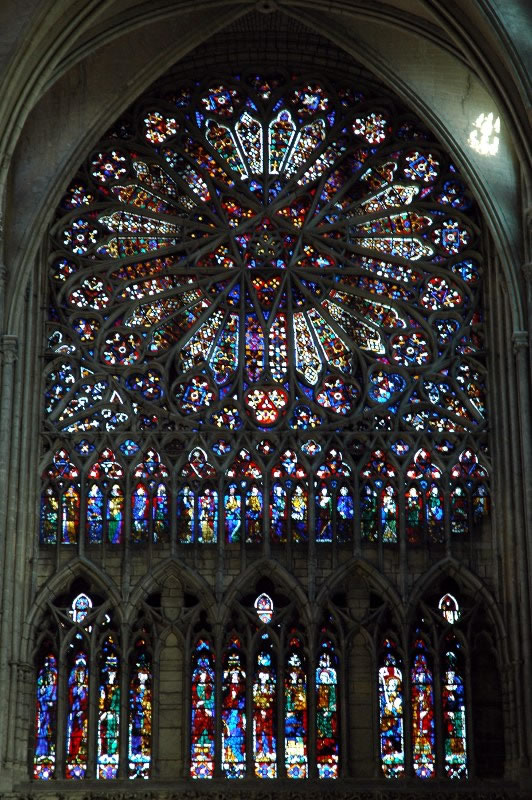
(265, 253)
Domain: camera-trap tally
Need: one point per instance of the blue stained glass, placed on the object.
(46, 719)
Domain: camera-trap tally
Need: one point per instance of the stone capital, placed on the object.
(526, 269)
(8, 348)
(519, 341)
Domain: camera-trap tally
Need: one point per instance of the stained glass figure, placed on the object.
(424, 500)
(324, 514)
(77, 714)
(264, 710)
(203, 720)
(422, 703)
(208, 516)
(140, 712)
(378, 499)
(449, 608)
(108, 711)
(70, 512)
(234, 712)
(391, 712)
(345, 512)
(150, 512)
(327, 730)
(469, 494)
(60, 501)
(299, 514)
(279, 514)
(186, 520)
(454, 710)
(233, 514)
(44, 758)
(295, 711)
(254, 514)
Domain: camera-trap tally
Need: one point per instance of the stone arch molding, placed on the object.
(84, 84)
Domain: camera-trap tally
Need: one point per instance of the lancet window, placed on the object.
(437, 695)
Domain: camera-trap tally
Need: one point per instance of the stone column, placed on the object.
(8, 355)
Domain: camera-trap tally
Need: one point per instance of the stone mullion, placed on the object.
(172, 511)
(83, 511)
(357, 537)
(250, 766)
(266, 515)
(403, 549)
(123, 741)
(311, 704)
(280, 709)
(62, 709)
(92, 711)
(218, 688)
(128, 533)
(438, 715)
(407, 711)
(312, 564)
(220, 549)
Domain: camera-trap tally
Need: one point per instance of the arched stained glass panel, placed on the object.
(391, 712)
(108, 711)
(454, 710)
(234, 712)
(78, 714)
(296, 714)
(46, 718)
(422, 701)
(203, 719)
(264, 710)
(327, 730)
(140, 711)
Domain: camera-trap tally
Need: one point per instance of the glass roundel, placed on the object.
(265, 252)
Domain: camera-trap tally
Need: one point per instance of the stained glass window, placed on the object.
(327, 731)
(234, 712)
(449, 608)
(454, 709)
(108, 710)
(150, 513)
(378, 500)
(46, 717)
(264, 330)
(391, 712)
(203, 721)
(296, 714)
(140, 711)
(264, 710)
(264, 607)
(424, 500)
(422, 701)
(265, 257)
(78, 713)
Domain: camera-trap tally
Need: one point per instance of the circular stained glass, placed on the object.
(266, 253)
